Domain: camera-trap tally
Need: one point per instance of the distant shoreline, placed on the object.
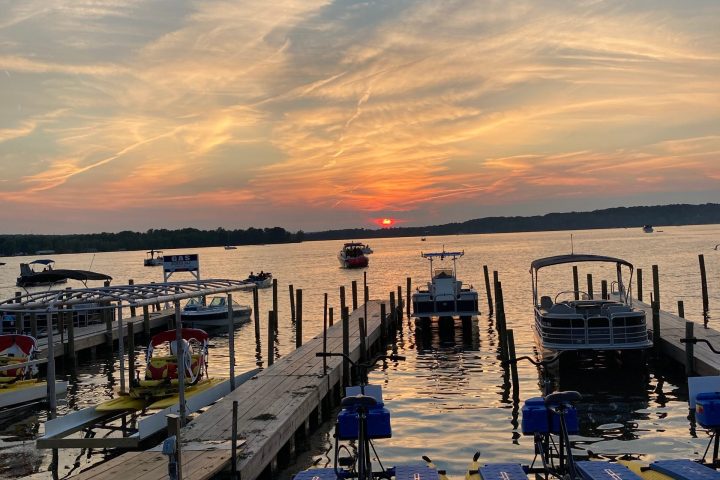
(621, 217)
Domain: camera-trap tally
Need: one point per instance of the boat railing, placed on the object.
(626, 328)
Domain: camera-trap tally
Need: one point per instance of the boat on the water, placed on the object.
(160, 387)
(352, 256)
(577, 321)
(19, 383)
(648, 229)
(445, 295)
(50, 276)
(261, 280)
(230, 247)
(215, 314)
(154, 258)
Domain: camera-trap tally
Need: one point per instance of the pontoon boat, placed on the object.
(154, 258)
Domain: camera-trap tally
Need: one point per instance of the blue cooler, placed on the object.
(536, 418)
(707, 409)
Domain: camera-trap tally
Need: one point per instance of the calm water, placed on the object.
(450, 398)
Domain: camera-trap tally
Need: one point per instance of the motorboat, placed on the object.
(445, 295)
(215, 314)
(160, 386)
(261, 280)
(230, 247)
(30, 277)
(19, 383)
(154, 258)
(648, 229)
(352, 256)
(583, 322)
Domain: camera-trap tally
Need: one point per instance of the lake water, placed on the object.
(449, 399)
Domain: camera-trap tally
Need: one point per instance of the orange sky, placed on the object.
(315, 114)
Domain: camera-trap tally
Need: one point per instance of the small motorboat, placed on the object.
(160, 387)
(352, 256)
(18, 378)
(648, 229)
(215, 314)
(445, 295)
(230, 247)
(261, 280)
(154, 258)
(50, 276)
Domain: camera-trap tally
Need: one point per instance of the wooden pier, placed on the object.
(276, 408)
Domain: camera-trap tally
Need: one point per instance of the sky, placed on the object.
(316, 114)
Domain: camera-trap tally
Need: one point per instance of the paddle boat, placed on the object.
(445, 295)
(585, 324)
(261, 280)
(351, 256)
(154, 258)
(160, 387)
(198, 314)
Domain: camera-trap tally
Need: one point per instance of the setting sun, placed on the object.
(387, 222)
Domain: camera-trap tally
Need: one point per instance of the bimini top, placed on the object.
(442, 254)
(61, 274)
(44, 261)
(575, 258)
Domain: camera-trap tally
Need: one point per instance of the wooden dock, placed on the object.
(281, 404)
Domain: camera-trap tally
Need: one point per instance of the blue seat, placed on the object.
(316, 474)
(605, 471)
(685, 470)
(415, 472)
(502, 471)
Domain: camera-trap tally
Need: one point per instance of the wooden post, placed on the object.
(500, 321)
(681, 309)
(330, 316)
(399, 300)
(703, 282)
(275, 302)
(180, 354)
(121, 349)
(689, 350)
(576, 282)
(346, 344)
(656, 326)
(298, 318)
(292, 303)
(108, 314)
(408, 287)
(363, 346)
(33, 325)
(256, 311)
(393, 311)
(590, 286)
(231, 340)
(383, 324)
(271, 343)
(131, 353)
(366, 297)
(146, 319)
(656, 284)
(234, 439)
(354, 295)
(132, 307)
(325, 327)
(71, 334)
(640, 284)
(513, 365)
(52, 399)
(174, 425)
(342, 299)
(604, 290)
(488, 292)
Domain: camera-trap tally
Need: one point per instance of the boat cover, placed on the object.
(605, 471)
(42, 261)
(61, 274)
(575, 258)
(502, 471)
(685, 470)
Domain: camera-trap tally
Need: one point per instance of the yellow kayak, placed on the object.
(637, 466)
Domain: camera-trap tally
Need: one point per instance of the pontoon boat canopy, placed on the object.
(61, 274)
(575, 258)
(44, 261)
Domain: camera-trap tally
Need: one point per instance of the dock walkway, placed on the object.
(276, 407)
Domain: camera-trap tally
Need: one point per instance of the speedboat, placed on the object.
(261, 280)
(214, 314)
(49, 276)
(352, 256)
(583, 323)
(18, 379)
(445, 295)
(647, 228)
(154, 258)
(160, 387)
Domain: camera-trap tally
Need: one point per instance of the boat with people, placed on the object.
(351, 256)
(160, 386)
(261, 280)
(19, 382)
(198, 313)
(580, 322)
(445, 295)
(648, 229)
(30, 277)
(154, 258)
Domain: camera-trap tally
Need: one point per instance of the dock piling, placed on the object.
(131, 352)
(346, 345)
(393, 311)
(689, 349)
(354, 295)
(590, 286)
(275, 299)
(180, 353)
(656, 326)
(383, 324)
(681, 309)
(703, 282)
(640, 284)
(231, 340)
(121, 347)
(146, 319)
(291, 288)
(271, 343)
(33, 325)
(576, 282)
(256, 311)
(342, 299)
(330, 316)
(366, 296)
(131, 282)
(513, 365)
(408, 287)
(174, 424)
(604, 289)
(71, 335)
(325, 327)
(234, 439)
(488, 291)
(298, 318)
(656, 285)
(107, 315)
(363, 343)
(52, 400)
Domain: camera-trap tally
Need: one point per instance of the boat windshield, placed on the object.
(193, 302)
(217, 302)
(443, 273)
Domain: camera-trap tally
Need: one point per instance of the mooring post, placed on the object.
(640, 284)
(656, 285)
(703, 281)
(363, 345)
(271, 343)
(500, 320)
(131, 282)
(393, 311)
(174, 424)
(408, 287)
(604, 290)
(366, 297)
(131, 353)
(513, 364)
(342, 299)
(234, 439)
(180, 354)
(330, 316)
(146, 319)
(52, 400)
(275, 299)
(325, 327)
(346, 344)
(488, 292)
(256, 311)
(231, 340)
(108, 314)
(656, 326)
(292, 303)
(121, 348)
(689, 349)
(354, 295)
(681, 309)
(298, 318)
(590, 286)
(68, 313)
(383, 324)
(576, 282)
(400, 302)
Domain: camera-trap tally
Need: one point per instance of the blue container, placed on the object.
(707, 409)
(537, 419)
(378, 424)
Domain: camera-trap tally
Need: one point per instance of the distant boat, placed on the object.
(230, 247)
(154, 258)
(49, 276)
(352, 256)
(215, 314)
(422, 239)
(261, 280)
(647, 228)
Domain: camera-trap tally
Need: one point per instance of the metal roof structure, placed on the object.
(123, 295)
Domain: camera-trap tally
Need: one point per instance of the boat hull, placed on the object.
(200, 319)
(353, 262)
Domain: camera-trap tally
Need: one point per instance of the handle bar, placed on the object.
(700, 340)
(543, 363)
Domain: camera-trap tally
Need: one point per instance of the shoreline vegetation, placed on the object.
(159, 239)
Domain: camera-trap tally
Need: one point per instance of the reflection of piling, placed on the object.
(576, 282)
(640, 284)
(689, 349)
(703, 281)
(271, 343)
(408, 287)
(488, 292)
(513, 365)
(298, 318)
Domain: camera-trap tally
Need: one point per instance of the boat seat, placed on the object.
(415, 472)
(558, 398)
(357, 401)
(316, 474)
(605, 471)
(15, 372)
(161, 368)
(562, 308)
(546, 302)
(502, 471)
(685, 470)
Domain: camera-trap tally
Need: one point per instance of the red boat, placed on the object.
(353, 256)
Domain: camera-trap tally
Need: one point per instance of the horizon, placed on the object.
(319, 115)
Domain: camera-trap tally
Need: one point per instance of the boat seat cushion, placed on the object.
(546, 302)
(685, 470)
(161, 368)
(562, 308)
(605, 471)
(15, 372)
(502, 471)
